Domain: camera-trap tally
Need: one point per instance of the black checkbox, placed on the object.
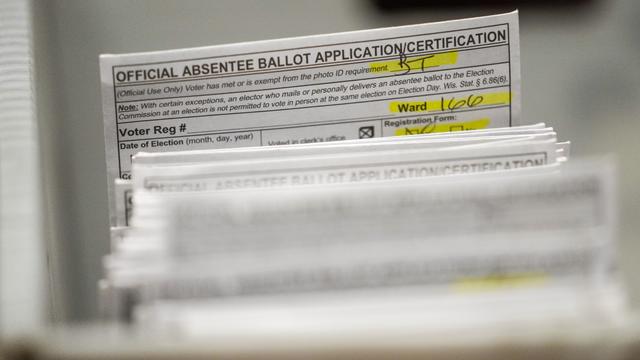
(365, 132)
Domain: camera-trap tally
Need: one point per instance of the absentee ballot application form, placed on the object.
(447, 76)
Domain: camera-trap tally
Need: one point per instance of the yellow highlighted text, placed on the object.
(421, 63)
(497, 282)
(445, 127)
(451, 103)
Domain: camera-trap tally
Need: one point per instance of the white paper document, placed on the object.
(335, 165)
(448, 76)
(476, 231)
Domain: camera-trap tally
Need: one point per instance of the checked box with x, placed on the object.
(365, 132)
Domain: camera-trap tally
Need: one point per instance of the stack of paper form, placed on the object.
(23, 295)
(436, 211)
(440, 221)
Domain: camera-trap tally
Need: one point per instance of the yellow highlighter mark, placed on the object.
(432, 127)
(422, 62)
(497, 282)
(451, 103)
